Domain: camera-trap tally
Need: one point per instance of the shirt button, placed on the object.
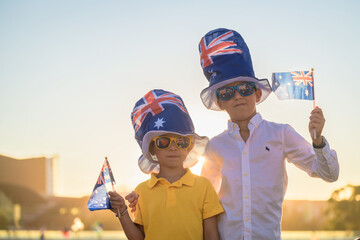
(246, 219)
(246, 196)
(324, 152)
(244, 153)
(246, 174)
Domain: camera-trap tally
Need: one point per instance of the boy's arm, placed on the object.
(210, 229)
(132, 231)
(324, 163)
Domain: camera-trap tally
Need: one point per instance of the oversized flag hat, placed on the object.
(157, 113)
(225, 58)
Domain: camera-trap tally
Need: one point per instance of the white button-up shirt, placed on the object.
(251, 177)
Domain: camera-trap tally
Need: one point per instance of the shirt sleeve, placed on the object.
(212, 205)
(211, 168)
(322, 163)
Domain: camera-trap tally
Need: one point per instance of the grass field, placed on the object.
(119, 235)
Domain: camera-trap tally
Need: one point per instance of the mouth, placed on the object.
(239, 104)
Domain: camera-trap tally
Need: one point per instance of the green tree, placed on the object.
(343, 209)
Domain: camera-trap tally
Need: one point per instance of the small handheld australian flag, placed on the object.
(99, 198)
(293, 85)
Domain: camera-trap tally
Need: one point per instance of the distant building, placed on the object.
(37, 174)
(25, 185)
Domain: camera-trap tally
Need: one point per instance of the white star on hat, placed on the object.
(159, 123)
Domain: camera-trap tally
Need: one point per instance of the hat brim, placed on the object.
(148, 164)
(208, 95)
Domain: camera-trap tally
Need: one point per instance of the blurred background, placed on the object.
(71, 72)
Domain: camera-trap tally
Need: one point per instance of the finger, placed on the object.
(316, 115)
(115, 202)
(320, 121)
(133, 200)
(115, 205)
(317, 121)
(115, 198)
(118, 200)
(133, 204)
(317, 111)
(131, 196)
(113, 194)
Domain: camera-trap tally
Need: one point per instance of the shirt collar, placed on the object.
(188, 179)
(254, 122)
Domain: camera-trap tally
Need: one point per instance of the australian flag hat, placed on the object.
(160, 112)
(225, 58)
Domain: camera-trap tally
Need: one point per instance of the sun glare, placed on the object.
(197, 168)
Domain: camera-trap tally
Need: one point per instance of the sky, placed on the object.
(72, 71)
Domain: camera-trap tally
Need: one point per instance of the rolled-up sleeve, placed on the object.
(322, 163)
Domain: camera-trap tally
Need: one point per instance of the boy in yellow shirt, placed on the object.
(173, 203)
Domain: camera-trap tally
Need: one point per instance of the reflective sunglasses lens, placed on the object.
(225, 93)
(246, 89)
(162, 142)
(183, 142)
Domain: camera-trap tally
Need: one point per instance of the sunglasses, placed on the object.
(244, 89)
(163, 142)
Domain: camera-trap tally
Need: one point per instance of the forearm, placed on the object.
(210, 229)
(132, 230)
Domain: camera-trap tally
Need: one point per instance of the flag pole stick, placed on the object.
(112, 185)
(314, 105)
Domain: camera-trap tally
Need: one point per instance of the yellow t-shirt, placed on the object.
(175, 210)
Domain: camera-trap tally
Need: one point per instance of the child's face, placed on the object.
(240, 108)
(173, 156)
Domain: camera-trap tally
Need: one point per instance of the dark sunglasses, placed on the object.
(244, 89)
(163, 142)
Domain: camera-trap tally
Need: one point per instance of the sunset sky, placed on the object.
(71, 72)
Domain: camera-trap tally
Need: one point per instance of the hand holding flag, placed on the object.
(118, 204)
(316, 124)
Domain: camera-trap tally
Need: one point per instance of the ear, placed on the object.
(152, 148)
(258, 93)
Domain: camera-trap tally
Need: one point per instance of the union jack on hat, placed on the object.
(225, 58)
(160, 112)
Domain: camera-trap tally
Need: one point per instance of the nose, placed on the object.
(172, 145)
(237, 95)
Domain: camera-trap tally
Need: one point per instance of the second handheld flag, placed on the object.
(99, 198)
(293, 85)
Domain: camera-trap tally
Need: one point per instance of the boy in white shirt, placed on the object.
(246, 162)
